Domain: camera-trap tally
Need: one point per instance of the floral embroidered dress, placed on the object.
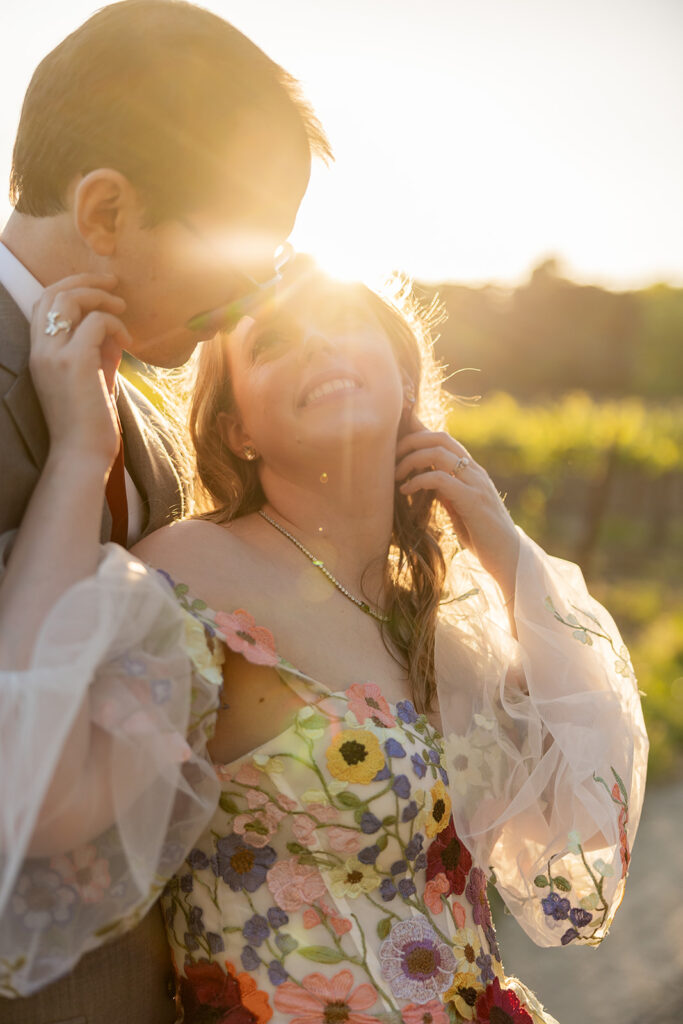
(338, 872)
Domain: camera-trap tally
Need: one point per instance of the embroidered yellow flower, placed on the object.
(463, 993)
(355, 756)
(466, 947)
(353, 879)
(440, 814)
(205, 653)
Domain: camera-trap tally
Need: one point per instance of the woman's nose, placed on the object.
(315, 342)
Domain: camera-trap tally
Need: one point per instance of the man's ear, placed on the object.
(234, 436)
(104, 200)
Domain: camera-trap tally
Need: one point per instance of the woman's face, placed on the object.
(317, 374)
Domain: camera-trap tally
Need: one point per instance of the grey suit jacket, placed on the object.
(129, 980)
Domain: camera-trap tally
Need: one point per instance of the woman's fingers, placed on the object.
(450, 461)
(421, 439)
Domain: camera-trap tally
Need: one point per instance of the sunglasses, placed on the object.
(224, 318)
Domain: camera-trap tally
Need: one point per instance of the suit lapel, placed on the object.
(20, 398)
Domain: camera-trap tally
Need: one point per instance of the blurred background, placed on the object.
(524, 162)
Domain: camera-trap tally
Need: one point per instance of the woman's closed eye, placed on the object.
(269, 341)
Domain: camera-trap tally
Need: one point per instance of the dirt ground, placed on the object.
(636, 974)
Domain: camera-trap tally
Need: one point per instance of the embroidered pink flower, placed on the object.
(323, 812)
(303, 828)
(259, 826)
(292, 885)
(434, 890)
(248, 775)
(343, 840)
(459, 915)
(319, 1000)
(366, 701)
(85, 871)
(476, 894)
(242, 635)
(312, 917)
(433, 1012)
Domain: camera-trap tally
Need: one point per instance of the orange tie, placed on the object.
(116, 496)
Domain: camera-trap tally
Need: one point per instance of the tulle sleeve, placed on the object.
(119, 646)
(546, 744)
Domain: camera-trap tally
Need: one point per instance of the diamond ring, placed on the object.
(55, 324)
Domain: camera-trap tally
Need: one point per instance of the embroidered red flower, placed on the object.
(208, 985)
(448, 856)
(498, 1005)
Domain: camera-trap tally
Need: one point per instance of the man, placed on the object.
(159, 146)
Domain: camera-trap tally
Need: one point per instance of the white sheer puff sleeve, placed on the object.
(546, 744)
(118, 668)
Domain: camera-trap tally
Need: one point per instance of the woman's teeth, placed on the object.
(330, 386)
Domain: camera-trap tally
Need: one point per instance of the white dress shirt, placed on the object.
(26, 290)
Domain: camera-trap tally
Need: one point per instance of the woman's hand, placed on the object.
(428, 461)
(74, 369)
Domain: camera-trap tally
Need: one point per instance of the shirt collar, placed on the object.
(19, 282)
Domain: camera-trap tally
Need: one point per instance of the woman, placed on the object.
(392, 729)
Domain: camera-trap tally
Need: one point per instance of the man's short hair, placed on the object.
(163, 92)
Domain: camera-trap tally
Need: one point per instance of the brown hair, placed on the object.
(415, 567)
(163, 92)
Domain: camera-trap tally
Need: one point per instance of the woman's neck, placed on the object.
(343, 514)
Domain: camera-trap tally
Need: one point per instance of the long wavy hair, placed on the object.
(415, 565)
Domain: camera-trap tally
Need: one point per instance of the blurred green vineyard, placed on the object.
(601, 483)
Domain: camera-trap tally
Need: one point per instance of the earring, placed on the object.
(249, 452)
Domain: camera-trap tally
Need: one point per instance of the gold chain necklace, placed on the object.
(363, 605)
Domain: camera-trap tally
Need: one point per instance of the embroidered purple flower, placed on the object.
(256, 930)
(556, 906)
(579, 917)
(186, 883)
(198, 860)
(405, 709)
(195, 923)
(370, 823)
(190, 942)
(410, 812)
(387, 890)
(492, 941)
(483, 962)
(369, 855)
(399, 867)
(419, 767)
(242, 866)
(276, 917)
(414, 846)
(406, 888)
(393, 748)
(401, 786)
(444, 775)
(415, 962)
(434, 756)
(250, 959)
(383, 774)
(475, 890)
(420, 861)
(40, 899)
(569, 936)
(215, 941)
(276, 972)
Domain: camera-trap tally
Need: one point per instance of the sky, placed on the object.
(473, 138)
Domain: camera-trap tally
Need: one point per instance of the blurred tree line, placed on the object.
(551, 335)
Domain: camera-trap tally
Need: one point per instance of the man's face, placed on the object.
(201, 263)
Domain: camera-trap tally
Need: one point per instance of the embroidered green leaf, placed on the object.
(383, 927)
(540, 881)
(228, 804)
(562, 883)
(321, 954)
(198, 605)
(468, 593)
(180, 589)
(382, 842)
(296, 848)
(314, 722)
(389, 820)
(349, 800)
(621, 785)
(285, 943)
(358, 815)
